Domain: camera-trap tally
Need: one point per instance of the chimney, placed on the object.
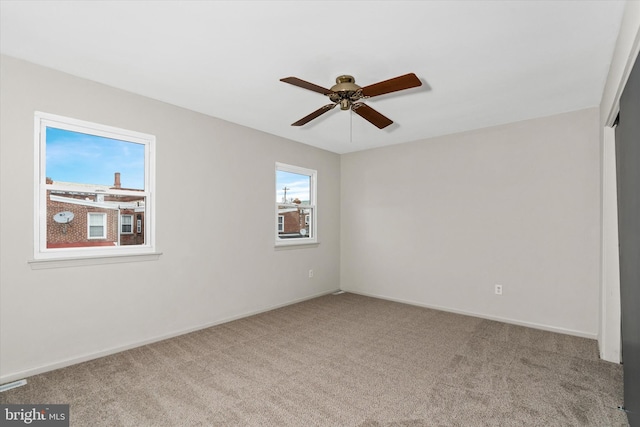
(116, 183)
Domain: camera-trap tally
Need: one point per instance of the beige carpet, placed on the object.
(343, 360)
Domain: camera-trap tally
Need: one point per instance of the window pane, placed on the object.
(74, 157)
(293, 192)
(296, 222)
(96, 231)
(295, 204)
(77, 219)
(95, 188)
(96, 220)
(293, 188)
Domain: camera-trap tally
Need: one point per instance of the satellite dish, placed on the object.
(63, 217)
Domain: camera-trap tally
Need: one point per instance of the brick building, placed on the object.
(95, 217)
(293, 220)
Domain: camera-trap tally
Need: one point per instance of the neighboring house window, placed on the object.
(126, 224)
(97, 226)
(90, 181)
(296, 210)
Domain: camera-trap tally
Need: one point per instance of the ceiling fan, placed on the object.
(348, 94)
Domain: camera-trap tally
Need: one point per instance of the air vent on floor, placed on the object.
(15, 384)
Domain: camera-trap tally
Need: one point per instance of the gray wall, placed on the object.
(440, 222)
(215, 227)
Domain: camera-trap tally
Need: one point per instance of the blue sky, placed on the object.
(298, 186)
(88, 159)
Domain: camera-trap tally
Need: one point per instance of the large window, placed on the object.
(296, 211)
(91, 181)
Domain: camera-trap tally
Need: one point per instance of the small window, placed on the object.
(126, 224)
(295, 205)
(97, 226)
(91, 180)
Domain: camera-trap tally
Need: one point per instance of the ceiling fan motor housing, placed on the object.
(345, 91)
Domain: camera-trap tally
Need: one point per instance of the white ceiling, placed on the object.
(482, 63)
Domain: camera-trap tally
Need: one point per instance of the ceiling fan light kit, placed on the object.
(347, 94)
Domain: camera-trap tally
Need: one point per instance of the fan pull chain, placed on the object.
(350, 126)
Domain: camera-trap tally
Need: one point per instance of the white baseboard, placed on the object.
(533, 325)
(113, 350)
(90, 356)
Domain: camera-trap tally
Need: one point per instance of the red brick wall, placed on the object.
(292, 222)
(134, 238)
(61, 235)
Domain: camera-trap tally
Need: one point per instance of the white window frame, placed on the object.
(123, 224)
(44, 257)
(104, 225)
(280, 223)
(312, 230)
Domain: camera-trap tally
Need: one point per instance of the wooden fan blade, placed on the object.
(306, 85)
(371, 115)
(392, 85)
(320, 111)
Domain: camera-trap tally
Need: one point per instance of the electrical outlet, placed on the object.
(310, 274)
(498, 289)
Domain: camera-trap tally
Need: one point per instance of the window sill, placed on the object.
(40, 264)
(296, 245)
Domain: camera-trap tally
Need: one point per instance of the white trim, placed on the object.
(615, 107)
(76, 125)
(40, 250)
(81, 261)
(121, 223)
(624, 56)
(312, 206)
(104, 225)
(610, 338)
